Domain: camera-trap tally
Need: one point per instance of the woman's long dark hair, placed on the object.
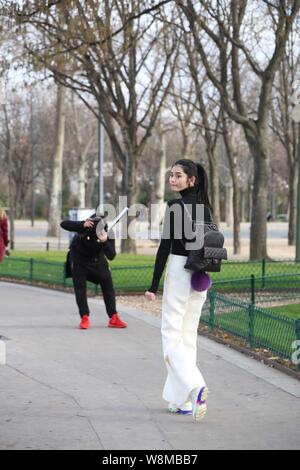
(191, 169)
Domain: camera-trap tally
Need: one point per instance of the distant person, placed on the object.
(87, 262)
(269, 216)
(3, 234)
(185, 388)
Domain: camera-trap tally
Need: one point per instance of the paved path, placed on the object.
(63, 388)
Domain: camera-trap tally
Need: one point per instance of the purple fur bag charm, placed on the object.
(200, 281)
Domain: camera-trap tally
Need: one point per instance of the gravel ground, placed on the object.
(140, 302)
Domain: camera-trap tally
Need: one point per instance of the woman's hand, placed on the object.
(88, 223)
(150, 296)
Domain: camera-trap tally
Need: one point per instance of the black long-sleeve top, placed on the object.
(88, 248)
(169, 243)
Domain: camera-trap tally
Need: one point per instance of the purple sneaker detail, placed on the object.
(202, 395)
(184, 412)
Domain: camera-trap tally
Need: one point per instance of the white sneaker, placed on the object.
(184, 409)
(199, 403)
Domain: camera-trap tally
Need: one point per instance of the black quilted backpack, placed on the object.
(210, 256)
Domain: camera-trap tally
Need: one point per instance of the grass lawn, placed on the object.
(60, 257)
(272, 330)
(290, 311)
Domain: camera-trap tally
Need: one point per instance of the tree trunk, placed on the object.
(242, 211)
(234, 199)
(56, 184)
(10, 194)
(232, 204)
(128, 244)
(250, 200)
(82, 172)
(186, 144)
(258, 231)
(236, 217)
(214, 185)
(273, 196)
(90, 191)
(161, 183)
(81, 183)
(17, 200)
(229, 205)
(293, 204)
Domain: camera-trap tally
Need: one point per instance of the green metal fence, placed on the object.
(235, 275)
(258, 268)
(259, 327)
(126, 278)
(277, 287)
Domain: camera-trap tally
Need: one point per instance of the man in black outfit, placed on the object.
(87, 262)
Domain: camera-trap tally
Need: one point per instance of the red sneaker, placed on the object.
(85, 322)
(116, 322)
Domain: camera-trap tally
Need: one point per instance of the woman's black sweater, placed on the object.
(169, 243)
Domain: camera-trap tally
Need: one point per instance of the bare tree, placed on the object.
(110, 55)
(121, 71)
(225, 22)
(282, 124)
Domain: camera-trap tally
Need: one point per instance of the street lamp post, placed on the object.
(296, 118)
(101, 164)
(298, 202)
(32, 164)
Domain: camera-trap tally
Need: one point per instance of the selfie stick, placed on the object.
(116, 220)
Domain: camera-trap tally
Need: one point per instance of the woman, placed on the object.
(3, 234)
(185, 388)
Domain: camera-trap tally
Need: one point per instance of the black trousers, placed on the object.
(99, 274)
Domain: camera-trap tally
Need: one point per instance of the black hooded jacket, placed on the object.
(85, 246)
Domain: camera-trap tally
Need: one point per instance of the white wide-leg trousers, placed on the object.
(181, 312)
